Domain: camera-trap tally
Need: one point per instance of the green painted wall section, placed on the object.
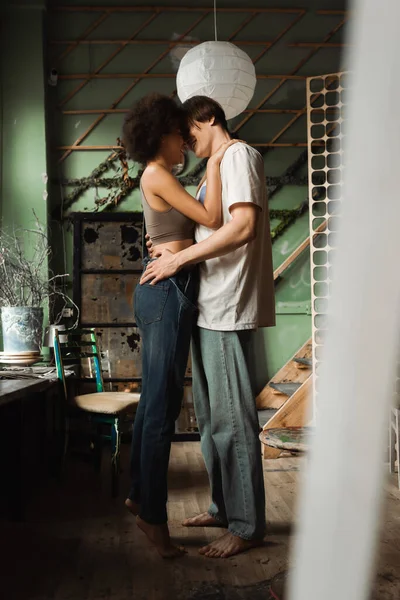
(23, 196)
(274, 346)
(23, 155)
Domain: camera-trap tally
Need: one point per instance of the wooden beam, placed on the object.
(289, 372)
(131, 85)
(280, 145)
(171, 43)
(85, 34)
(320, 45)
(332, 12)
(104, 64)
(295, 118)
(90, 76)
(281, 83)
(300, 14)
(242, 25)
(280, 35)
(98, 111)
(79, 148)
(84, 148)
(172, 9)
(290, 259)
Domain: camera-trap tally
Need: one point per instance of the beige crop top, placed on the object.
(166, 226)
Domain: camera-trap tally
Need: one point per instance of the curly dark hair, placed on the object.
(152, 117)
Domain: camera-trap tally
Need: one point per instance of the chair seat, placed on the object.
(109, 403)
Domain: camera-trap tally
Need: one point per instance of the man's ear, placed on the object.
(212, 121)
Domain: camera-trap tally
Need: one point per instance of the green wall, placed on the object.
(23, 152)
(23, 162)
(22, 186)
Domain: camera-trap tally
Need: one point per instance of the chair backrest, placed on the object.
(81, 344)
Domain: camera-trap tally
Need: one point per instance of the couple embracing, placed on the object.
(210, 282)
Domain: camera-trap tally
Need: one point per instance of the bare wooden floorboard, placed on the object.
(79, 544)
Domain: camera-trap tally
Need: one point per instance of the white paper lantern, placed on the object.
(221, 71)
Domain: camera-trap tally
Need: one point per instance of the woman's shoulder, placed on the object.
(155, 174)
(152, 170)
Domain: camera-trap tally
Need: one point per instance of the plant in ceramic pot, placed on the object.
(26, 287)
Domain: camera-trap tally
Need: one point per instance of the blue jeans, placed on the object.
(165, 315)
(227, 418)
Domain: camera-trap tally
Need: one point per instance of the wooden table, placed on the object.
(12, 390)
(19, 400)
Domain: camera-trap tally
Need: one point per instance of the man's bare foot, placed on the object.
(159, 537)
(133, 507)
(228, 545)
(202, 520)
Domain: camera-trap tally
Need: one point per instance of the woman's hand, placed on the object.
(219, 154)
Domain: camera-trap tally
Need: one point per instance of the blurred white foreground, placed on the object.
(342, 492)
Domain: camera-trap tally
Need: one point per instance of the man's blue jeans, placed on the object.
(165, 315)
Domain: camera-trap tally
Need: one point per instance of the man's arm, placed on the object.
(241, 230)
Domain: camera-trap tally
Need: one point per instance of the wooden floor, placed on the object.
(78, 544)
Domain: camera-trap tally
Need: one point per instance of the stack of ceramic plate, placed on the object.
(19, 358)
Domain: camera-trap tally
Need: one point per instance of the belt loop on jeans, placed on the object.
(147, 260)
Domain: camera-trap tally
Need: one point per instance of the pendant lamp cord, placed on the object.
(215, 20)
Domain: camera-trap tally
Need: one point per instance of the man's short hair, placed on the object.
(203, 109)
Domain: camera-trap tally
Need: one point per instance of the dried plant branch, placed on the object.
(25, 279)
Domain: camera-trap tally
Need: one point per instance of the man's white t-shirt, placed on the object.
(237, 290)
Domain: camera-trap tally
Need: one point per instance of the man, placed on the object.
(236, 296)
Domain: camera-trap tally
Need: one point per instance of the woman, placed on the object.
(154, 135)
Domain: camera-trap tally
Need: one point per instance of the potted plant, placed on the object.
(26, 287)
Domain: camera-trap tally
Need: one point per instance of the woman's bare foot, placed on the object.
(159, 537)
(228, 545)
(133, 507)
(202, 520)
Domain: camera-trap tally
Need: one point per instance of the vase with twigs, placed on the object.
(27, 287)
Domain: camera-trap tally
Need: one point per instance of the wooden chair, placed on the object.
(394, 441)
(109, 408)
